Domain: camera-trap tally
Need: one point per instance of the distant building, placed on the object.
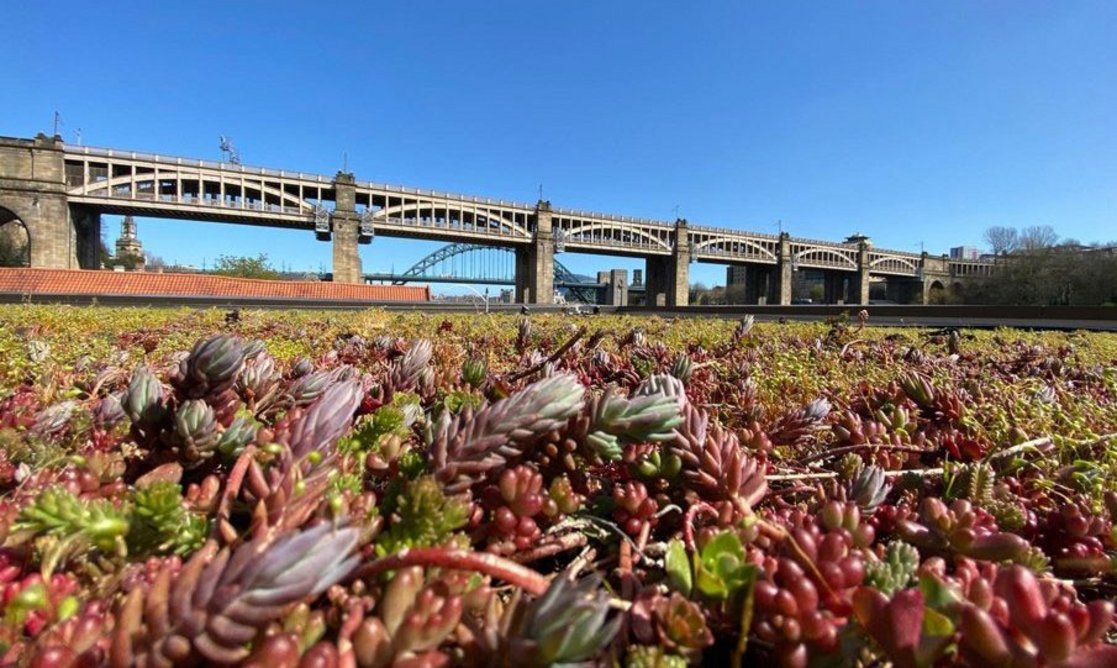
(964, 253)
(128, 243)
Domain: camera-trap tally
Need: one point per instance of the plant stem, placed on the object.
(554, 356)
(460, 560)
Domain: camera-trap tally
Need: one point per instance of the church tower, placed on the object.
(128, 243)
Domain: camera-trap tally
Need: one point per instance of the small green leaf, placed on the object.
(936, 593)
(721, 568)
(936, 624)
(678, 567)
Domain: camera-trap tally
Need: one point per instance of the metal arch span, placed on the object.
(417, 271)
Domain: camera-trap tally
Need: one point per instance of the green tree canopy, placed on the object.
(245, 267)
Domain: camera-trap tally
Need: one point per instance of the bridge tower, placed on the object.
(785, 266)
(535, 262)
(345, 226)
(668, 277)
(860, 285)
(33, 190)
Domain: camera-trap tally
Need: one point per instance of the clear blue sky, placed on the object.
(908, 121)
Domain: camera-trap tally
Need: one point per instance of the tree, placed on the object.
(13, 245)
(1001, 239)
(153, 261)
(1037, 237)
(245, 267)
(127, 260)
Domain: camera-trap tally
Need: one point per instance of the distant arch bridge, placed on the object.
(482, 264)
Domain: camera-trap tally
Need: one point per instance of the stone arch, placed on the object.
(936, 293)
(15, 240)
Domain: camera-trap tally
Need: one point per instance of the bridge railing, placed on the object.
(726, 232)
(439, 194)
(193, 200)
(193, 162)
(611, 217)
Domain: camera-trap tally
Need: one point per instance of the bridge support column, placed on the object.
(859, 286)
(785, 265)
(668, 277)
(87, 237)
(33, 187)
(345, 229)
(834, 287)
(616, 292)
(535, 263)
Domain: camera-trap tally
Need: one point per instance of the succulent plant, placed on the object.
(414, 620)
(307, 387)
(801, 424)
(870, 488)
(895, 570)
(108, 411)
(160, 522)
(474, 371)
(57, 512)
(648, 656)
(962, 528)
(205, 532)
(714, 463)
(259, 381)
(220, 600)
(568, 624)
(320, 427)
(467, 446)
(196, 430)
(212, 366)
(301, 367)
(683, 367)
(644, 418)
(672, 622)
(143, 400)
(406, 371)
(53, 420)
(236, 436)
(422, 516)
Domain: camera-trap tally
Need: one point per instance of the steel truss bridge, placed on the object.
(59, 192)
(480, 264)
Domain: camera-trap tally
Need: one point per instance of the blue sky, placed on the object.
(912, 122)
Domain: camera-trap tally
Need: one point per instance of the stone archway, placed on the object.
(15, 240)
(936, 293)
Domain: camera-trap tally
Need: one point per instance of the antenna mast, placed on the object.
(229, 152)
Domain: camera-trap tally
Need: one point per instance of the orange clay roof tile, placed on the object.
(26, 281)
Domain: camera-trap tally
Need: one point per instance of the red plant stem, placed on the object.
(349, 625)
(458, 560)
(688, 521)
(235, 480)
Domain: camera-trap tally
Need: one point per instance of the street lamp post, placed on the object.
(484, 297)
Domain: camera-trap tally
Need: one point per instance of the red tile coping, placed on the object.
(25, 281)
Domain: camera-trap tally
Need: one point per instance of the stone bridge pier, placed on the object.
(33, 192)
(668, 276)
(535, 261)
(345, 229)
